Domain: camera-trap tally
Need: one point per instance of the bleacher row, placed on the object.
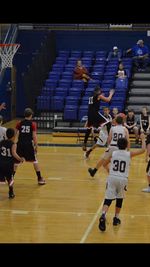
(61, 93)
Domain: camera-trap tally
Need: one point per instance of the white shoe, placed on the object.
(146, 190)
(85, 156)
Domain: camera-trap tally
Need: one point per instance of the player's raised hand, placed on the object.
(112, 91)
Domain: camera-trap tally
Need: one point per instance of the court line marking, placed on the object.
(55, 178)
(46, 211)
(88, 230)
(78, 213)
(20, 212)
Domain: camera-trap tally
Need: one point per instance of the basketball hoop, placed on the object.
(7, 52)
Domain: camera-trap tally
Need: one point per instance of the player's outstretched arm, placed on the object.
(107, 99)
(14, 153)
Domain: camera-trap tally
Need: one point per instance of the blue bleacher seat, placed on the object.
(72, 100)
(88, 53)
(72, 60)
(78, 83)
(74, 91)
(69, 67)
(93, 83)
(70, 113)
(97, 75)
(57, 103)
(101, 54)
(85, 100)
(107, 83)
(67, 75)
(121, 83)
(59, 91)
(76, 53)
(66, 83)
(101, 60)
(43, 103)
(58, 67)
(89, 91)
(83, 111)
(47, 91)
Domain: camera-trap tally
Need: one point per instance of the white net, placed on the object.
(7, 52)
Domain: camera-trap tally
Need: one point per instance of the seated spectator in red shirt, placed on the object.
(121, 72)
(80, 72)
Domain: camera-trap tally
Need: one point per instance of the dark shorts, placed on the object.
(26, 151)
(6, 171)
(148, 139)
(95, 120)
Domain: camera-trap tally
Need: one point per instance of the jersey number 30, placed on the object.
(119, 165)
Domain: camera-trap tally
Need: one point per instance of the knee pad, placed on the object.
(107, 202)
(119, 202)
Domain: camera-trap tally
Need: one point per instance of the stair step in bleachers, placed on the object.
(141, 76)
(139, 92)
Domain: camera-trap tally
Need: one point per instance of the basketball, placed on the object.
(122, 115)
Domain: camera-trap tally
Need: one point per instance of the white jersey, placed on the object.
(2, 133)
(118, 131)
(120, 163)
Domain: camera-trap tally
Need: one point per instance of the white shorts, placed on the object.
(102, 138)
(109, 151)
(115, 187)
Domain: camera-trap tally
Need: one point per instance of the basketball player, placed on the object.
(95, 118)
(103, 135)
(7, 156)
(27, 142)
(116, 132)
(2, 130)
(118, 179)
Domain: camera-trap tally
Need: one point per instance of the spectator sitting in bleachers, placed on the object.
(114, 54)
(81, 73)
(144, 121)
(131, 124)
(115, 112)
(121, 72)
(140, 54)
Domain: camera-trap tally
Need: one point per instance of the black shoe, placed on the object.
(102, 223)
(41, 181)
(116, 221)
(11, 194)
(92, 172)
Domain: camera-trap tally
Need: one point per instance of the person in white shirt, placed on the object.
(115, 133)
(117, 179)
(2, 130)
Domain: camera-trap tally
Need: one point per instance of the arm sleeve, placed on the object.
(34, 126)
(18, 125)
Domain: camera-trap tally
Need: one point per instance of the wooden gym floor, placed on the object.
(67, 208)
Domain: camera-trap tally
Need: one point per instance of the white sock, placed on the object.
(117, 215)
